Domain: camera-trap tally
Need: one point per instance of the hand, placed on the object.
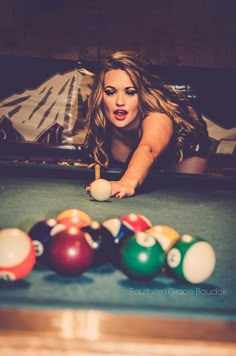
(122, 188)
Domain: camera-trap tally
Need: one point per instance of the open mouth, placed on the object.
(120, 114)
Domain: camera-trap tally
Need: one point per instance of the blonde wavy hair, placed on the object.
(154, 96)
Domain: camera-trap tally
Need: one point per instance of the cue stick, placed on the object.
(97, 171)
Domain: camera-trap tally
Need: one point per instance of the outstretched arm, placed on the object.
(157, 130)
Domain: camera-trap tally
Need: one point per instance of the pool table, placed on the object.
(102, 312)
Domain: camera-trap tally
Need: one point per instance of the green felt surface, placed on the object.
(205, 209)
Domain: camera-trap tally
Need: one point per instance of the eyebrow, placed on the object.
(110, 86)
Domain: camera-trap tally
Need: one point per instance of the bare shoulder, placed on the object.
(157, 131)
(157, 120)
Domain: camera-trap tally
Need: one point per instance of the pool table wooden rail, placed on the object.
(31, 332)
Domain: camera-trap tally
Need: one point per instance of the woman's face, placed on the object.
(120, 99)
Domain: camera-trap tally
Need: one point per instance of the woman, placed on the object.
(135, 119)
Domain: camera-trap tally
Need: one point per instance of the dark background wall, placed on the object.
(195, 33)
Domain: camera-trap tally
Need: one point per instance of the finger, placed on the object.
(121, 195)
(115, 190)
(88, 187)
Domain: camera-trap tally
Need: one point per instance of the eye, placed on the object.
(109, 92)
(131, 92)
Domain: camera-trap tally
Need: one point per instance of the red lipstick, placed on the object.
(120, 114)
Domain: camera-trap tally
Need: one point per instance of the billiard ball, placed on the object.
(17, 254)
(74, 215)
(142, 257)
(118, 229)
(165, 235)
(74, 220)
(136, 222)
(120, 232)
(191, 259)
(100, 189)
(40, 234)
(102, 242)
(69, 252)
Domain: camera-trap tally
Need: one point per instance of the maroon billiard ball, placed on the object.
(102, 241)
(136, 222)
(69, 253)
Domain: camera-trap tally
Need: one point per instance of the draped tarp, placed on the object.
(52, 112)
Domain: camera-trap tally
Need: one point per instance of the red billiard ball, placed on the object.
(101, 240)
(17, 254)
(142, 257)
(136, 222)
(69, 253)
(40, 233)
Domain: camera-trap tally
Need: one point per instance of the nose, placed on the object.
(120, 99)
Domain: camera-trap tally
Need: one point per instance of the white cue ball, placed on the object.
(100, 189)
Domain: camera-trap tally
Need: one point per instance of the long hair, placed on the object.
(154, 96)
